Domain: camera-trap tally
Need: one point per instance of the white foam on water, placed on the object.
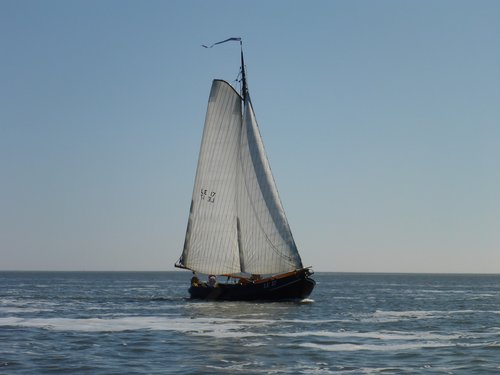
(15, 306)
(313, 321)
(17, 310)
(129, 308)
(212, 327)
(255, 344)
(12, 301)
(199, 326)
(394, 316)
(406, 314)
(307, 300)
(377, 335)
(224, 328)
(233, 365)
(385, 316)
(451, 312)
(372, 347)
(227, 328)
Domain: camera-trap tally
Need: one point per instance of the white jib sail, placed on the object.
(236, 221)
(267, 242)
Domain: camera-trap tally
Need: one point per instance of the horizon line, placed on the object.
(318, 272)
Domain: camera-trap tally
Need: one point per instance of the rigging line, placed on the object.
(238, 80)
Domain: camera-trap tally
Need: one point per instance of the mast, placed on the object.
(244, 88)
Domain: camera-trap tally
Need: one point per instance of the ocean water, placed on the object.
(143, 323)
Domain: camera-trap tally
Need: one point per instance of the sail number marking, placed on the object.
(209, 197)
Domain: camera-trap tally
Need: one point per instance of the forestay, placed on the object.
(236, 221)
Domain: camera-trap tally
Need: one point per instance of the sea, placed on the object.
(144, 323)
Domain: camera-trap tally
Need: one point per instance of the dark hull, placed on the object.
(297, 285)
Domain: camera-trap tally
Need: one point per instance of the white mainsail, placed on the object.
(236, 222)
(211, 244)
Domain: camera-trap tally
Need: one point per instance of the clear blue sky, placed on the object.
(381, 120)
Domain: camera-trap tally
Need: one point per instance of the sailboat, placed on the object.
(237, 232)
